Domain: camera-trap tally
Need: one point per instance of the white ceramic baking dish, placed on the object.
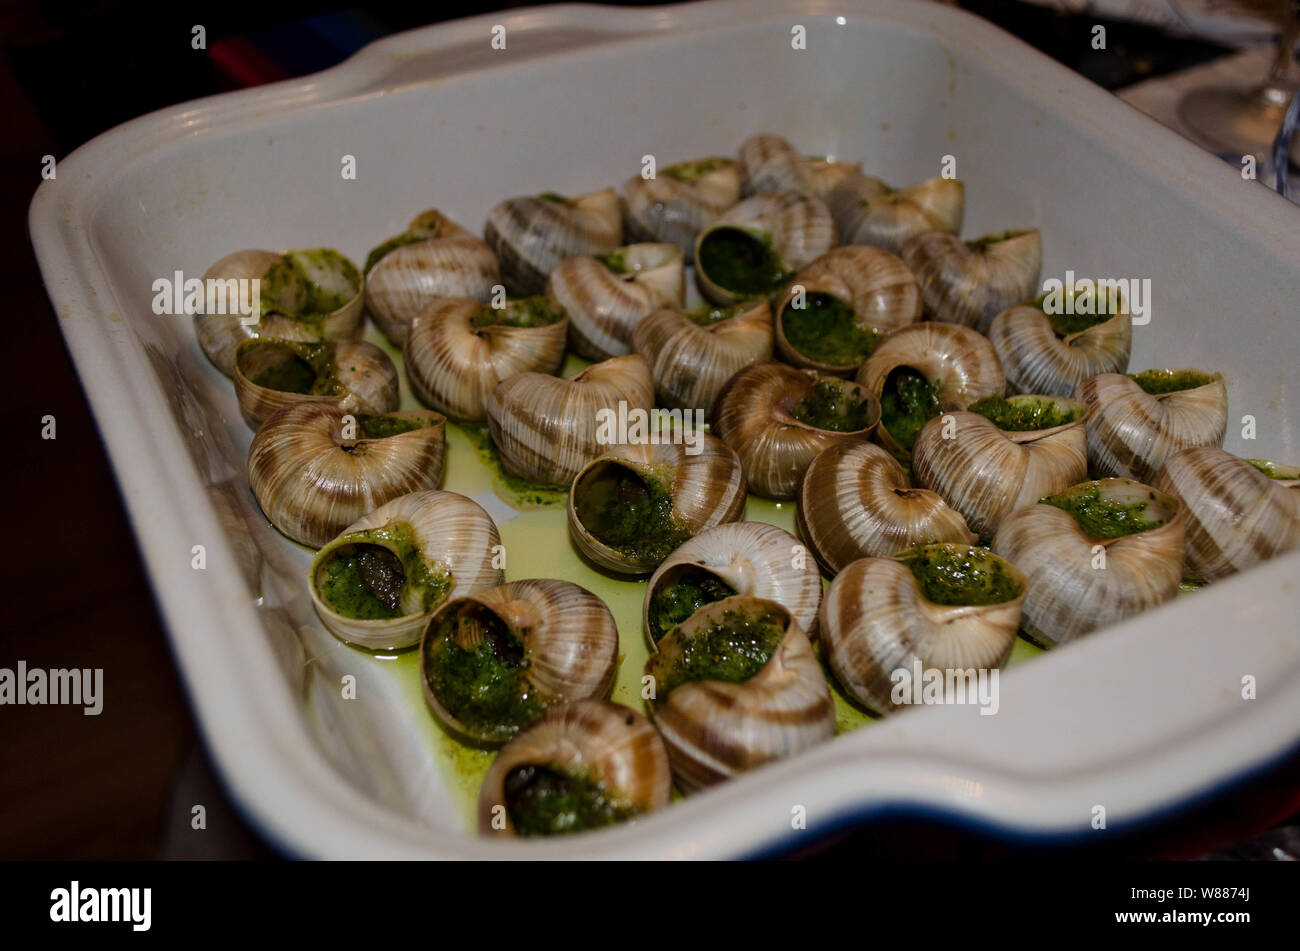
(1137, 719)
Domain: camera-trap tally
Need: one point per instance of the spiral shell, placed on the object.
(440, 544)
(607, 297)
(739, 558)
(551, 641)
(1236, 515)
(878, 619)
(715, 728)
(867, 211)
(826, 174)
(874, 284)
(435, 257)
(632, 506)
(970, 282)
(546, 429)
(531, 235)
(612, 746)
(1080, 582)
(769, 163)
(855, 502)
(458, 350)
(312, 481)
(758, 412)
(1132, 432)
(692, 354)
(986, 472)
(679, 201)
(353, 375)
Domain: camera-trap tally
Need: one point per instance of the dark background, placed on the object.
(121, 785)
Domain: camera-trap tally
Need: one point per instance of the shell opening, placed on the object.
(1113, 508)
(628, 511)
(380, 575)
(837, 406)
(1082, 305)
(289, 367)
(544, 800)
(690, 171)
(731, 646)
(707, 315)
(679, 593)
(537, 310)
(826, 330)
(309, 285)
(381, 427)
(1159, 382)
(907, 402)
(740, 261)
(1027, 413)
(962, 575)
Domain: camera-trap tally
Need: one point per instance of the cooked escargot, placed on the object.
(924, 369)
(970, 282)
(458, 350)
(737, 685)
(494, 661)
(839, 308)
(1288, 476)
(629, 508)
(302, 295)
(692, 353)
(867, 211)
(582, 765)
(1054, 353)
(746, 558)
(606, 296)
(1140, 420)
(547, 428)
(531, 235)
(353, 375)
(1095, 554)
(315, 469)
(778, 418)
(1002, 454)
(434, 257)
(855, 501)
(679, 201)
(945, 607)
(1237, 516)
(376, 583)
(754, 248)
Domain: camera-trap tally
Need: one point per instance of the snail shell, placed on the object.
(1132, 432)
(961, 361)
(867, 211)
(855, 502)
(970, 282)
(287, 285)
(615, 747)
(458, 350)
(1037, 359)
(714, 728)
(1236, 515)
(769, 163)
(1071, 591)
(739, 558)
(825, 175)
(875, 284)
(434, 258)
(1284, 475)
(679, 201)
(681, 493)
(557, 641)
(531, 235)
(878, 618)
(986, 472)
(312, 481)
(692, 354)
(758, 412)
(353, 375)
(546, 428)
(443, 546)
(607, 297)
(778, 233)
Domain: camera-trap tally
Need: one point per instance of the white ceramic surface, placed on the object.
(1136, 719)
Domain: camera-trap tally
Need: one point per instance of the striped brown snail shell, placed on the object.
(718, 718)
(867, 211)
(607, 296)
(315, 469)
(1140, 420)
(826, 174)
(539, 643)
(933, 607)
(677, 203)
(1283, 475)
(855, 501)
(778, 419)
(609, 757)
(532, 234)
(458, 350)
(1236, 515)
(435, 257)
(375, 584)
(1116, 554)
(769, 163)
(970, 282)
